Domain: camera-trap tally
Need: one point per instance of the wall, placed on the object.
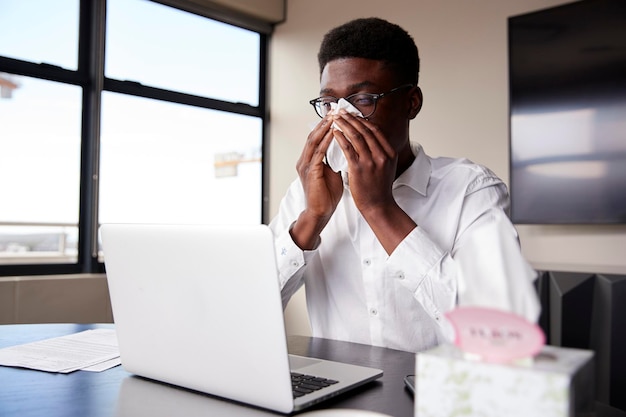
(463, 48)
(80, 298)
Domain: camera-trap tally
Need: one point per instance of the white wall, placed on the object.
(463, 48)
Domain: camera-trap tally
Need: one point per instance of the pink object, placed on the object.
(495, 335)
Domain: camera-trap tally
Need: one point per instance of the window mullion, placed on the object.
(91, 63)
(137, 89)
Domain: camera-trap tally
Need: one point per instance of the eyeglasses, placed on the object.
(365, 102)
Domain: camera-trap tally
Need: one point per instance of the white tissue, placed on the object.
(335, 158)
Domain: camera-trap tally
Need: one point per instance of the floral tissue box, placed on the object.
(471, 379)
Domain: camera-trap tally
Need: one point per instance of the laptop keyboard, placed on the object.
(302, 384)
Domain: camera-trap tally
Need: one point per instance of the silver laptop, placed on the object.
(199, 306)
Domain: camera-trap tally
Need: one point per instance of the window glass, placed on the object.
(162, 162)
(39, 167)
(167, 48)
(159, 161)
(40, 31)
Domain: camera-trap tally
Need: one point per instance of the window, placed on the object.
(39, 171)
(154, 114)
(165, 162)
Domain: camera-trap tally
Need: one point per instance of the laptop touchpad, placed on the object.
(297, 362)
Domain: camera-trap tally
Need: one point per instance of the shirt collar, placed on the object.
(417, 175)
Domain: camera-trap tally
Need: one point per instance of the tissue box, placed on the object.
(558, 382)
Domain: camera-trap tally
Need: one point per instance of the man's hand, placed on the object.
(372, 168)
(322, 187)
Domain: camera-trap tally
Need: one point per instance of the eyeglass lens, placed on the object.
(365, 102)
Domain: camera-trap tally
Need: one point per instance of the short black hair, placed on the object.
(376, 39)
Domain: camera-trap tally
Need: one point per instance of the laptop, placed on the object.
(139, 396)
(199, 306)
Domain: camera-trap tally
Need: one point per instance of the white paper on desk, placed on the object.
(64, 354)
(103, 366)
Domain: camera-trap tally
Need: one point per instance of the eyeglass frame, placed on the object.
(316, 101)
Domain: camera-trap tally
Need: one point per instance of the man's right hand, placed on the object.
(323, 187)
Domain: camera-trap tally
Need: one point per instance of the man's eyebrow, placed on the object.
(352, 87)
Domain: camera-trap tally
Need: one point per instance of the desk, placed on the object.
(116, 393)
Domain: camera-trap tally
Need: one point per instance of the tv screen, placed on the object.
(567, 78)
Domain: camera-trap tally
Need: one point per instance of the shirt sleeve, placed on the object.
(484, 267)
(492, 271)
(291, 261)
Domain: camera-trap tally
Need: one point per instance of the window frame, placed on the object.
(90, 76)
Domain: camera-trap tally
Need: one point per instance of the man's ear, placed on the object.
(417, 99)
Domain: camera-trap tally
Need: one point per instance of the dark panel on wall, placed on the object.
(571, 298)
(542, 285)
(588, 311)
(608, 339)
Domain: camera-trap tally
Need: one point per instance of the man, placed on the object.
(389, 245)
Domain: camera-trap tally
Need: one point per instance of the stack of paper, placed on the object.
(91, 350)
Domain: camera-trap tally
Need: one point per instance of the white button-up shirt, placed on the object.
(464, 251)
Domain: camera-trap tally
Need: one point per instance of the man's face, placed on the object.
(346, 76)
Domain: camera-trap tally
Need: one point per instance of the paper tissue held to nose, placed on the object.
(335, 158)
(499, 366)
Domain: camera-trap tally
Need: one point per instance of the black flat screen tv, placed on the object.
(567, 92)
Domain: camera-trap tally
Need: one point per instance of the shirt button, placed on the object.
(373, 312)
(295, 263)
(401, 275)
(367, 262)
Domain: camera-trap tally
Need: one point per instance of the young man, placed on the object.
(388, 245)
